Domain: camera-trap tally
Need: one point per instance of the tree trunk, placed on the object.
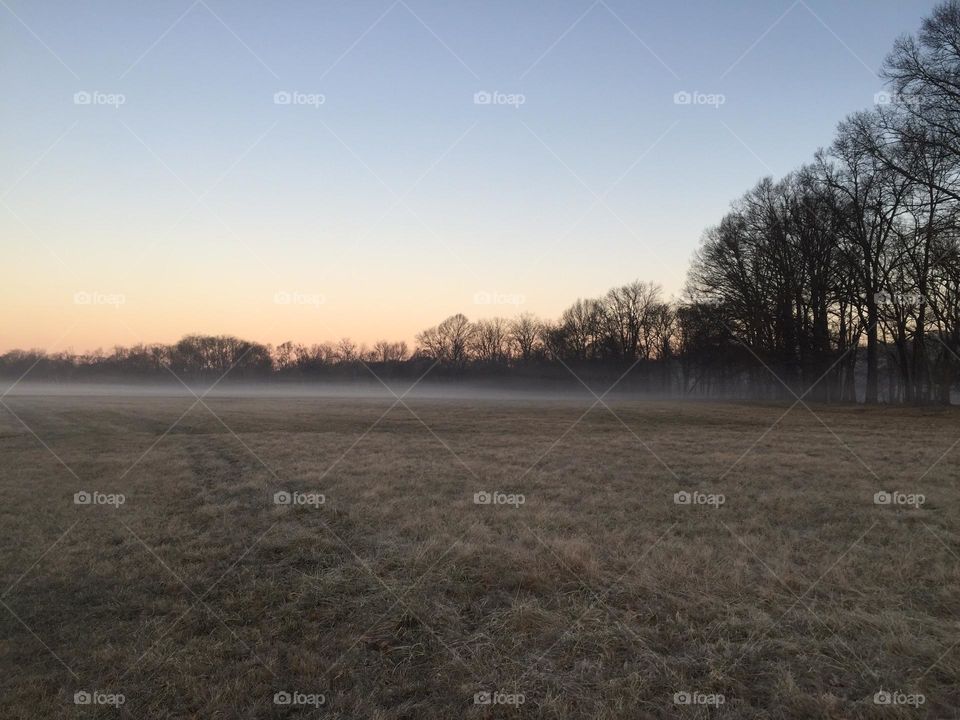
(873, 378)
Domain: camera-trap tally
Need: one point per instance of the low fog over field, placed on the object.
(492, 391)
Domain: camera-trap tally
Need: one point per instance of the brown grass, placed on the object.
(599, 597)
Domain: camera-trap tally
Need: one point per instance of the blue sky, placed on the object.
(398, 198)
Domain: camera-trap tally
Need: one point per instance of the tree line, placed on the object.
(629, 323)
(839, 282)
(856, 249)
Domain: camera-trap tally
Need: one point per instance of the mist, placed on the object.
(359, 390)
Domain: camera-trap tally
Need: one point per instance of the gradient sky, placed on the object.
(204, 206)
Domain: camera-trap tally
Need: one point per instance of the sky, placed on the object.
(307, 171)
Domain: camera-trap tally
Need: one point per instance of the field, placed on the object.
(782, 590)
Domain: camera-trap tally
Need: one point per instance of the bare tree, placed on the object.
(923, 72)
(871, 199)
(582, 326)
(628, 314)
(346, 350)
(491, 340)
(525, 335)
(449, 342)
(385, 351)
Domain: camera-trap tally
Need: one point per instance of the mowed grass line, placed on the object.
(400, 597)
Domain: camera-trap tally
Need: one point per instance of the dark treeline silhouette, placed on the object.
(857, 248)
(839, 283)
(630, 338)
(630, 327)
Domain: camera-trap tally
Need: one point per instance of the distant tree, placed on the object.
(450, 341)
(456, 334)
(581, 328)
(627, 311)
(490, 341)
(430, 344)
(346, 350)
(385, 351)
(525, 336)
(284, 355)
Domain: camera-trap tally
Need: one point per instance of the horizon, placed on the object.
(539, 157)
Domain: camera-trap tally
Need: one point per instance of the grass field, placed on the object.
(399, 596)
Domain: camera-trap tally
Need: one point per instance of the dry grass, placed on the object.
(599, 597)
